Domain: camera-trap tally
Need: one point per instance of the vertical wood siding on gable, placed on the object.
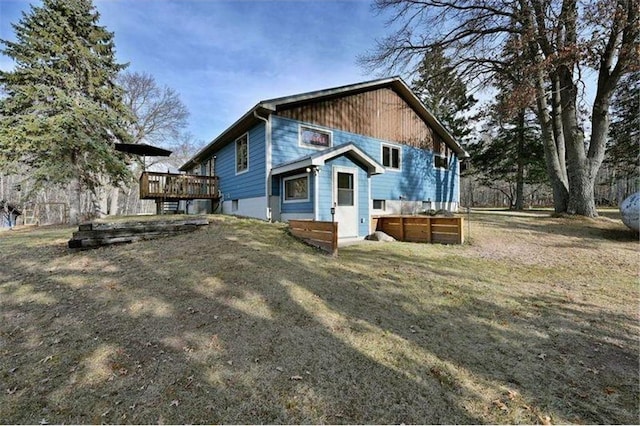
(380, 114)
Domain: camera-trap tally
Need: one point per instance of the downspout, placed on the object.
(316, 214)
(267, 161)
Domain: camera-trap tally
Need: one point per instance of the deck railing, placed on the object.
(173, 186)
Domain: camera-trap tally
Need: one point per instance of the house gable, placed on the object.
(381, 114)
(383, 109)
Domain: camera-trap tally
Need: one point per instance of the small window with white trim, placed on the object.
(315, 138)
(391, 157)
(242, 154)
(379, 204)
(296, 189)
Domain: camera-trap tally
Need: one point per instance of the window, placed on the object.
(234, 205)
(242, 153)
(296, 189)
(440, 155)
(314, 138)
(440, 161)
(391, 157)
(379, 204)
(345, 189)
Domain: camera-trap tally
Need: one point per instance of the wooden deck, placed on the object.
(174, 186)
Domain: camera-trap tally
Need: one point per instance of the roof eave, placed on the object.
(267, 107)
(419, 107)
(319, 159)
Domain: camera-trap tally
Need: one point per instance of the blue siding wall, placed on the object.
(325, 196)
(250, 183)
(418, 179)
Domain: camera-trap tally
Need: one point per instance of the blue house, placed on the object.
(345, 153)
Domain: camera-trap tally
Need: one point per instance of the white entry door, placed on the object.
(345, 200)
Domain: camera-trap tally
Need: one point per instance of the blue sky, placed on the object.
(224, 56)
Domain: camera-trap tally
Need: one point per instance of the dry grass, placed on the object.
(534, 321)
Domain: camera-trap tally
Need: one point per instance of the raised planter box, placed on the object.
(96, 234)
(422, 229)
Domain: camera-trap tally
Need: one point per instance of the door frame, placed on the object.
(334, 194)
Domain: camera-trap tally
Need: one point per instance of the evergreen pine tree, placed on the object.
(444, 93)
(511, 154)
(62, 111)
(510, 157)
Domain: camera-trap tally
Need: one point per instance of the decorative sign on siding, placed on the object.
(315, 137)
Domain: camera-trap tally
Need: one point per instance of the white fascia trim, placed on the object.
(315, 128)
(305, 162)
(393, 146)
(319, 160)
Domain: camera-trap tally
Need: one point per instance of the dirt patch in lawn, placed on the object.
(534, 321)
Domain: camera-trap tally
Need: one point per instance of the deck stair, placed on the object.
(169, 207)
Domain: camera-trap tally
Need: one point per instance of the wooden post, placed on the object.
(402, 228)
(428, 229)
(461, 230)
(334, 242)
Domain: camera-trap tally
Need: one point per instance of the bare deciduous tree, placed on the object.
(558, 40)
(160, 113)
(160, 119)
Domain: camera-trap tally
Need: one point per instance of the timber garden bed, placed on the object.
(534, 320)
(109, 231)
(421, 229)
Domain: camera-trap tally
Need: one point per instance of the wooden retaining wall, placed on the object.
(323, 235)
(422, 229)
(96, 234)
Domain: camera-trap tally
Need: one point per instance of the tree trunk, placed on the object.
(103, 201)
(113, 207)
(558, 134)
(581, 170)
(552, 148)
(519, 202)
(75, 202)
(581, 199)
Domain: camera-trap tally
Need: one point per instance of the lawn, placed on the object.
(534, 320)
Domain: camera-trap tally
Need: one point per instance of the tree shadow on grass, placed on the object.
(242, 324)
(127, 335)
(582, 228)
(572, 359)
